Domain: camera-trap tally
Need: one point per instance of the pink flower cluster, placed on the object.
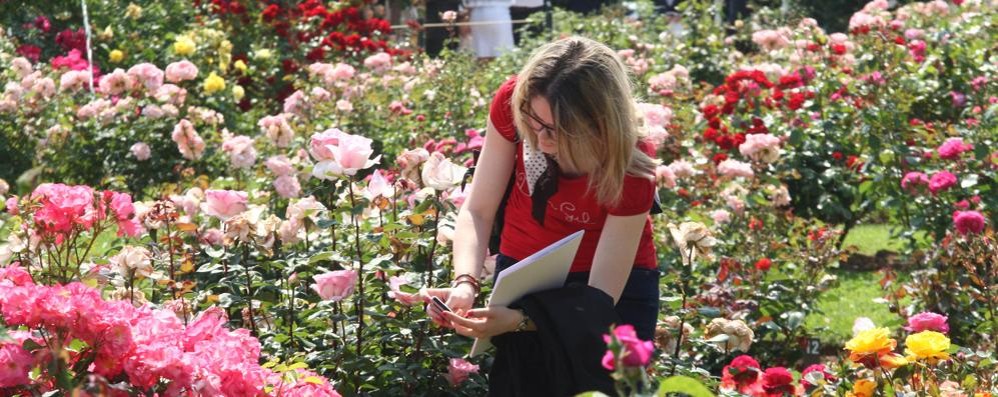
(59, 210)
(735, 168)
(189, 143)
(150, 346)
(912, 180)
(953, 147)
(636, 352)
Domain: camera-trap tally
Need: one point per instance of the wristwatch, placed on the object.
(522, 326)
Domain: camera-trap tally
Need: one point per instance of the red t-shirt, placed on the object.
(570, 209)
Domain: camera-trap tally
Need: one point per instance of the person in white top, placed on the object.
(492, 27)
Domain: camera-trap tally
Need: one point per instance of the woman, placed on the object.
(566, 128)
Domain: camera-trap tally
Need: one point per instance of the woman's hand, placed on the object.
(459, 299)
(486, 322)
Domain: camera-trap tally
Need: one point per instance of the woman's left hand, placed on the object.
(485, 322)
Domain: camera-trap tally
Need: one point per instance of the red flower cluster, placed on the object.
(744, 375)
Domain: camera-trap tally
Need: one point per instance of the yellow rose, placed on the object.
(116, 56)
(927, 345)
(864, 388)
(871, 341)
(238, 93)
(263, 54)
(240, 65)
(184, 46)
(107, 34)
(213, 83)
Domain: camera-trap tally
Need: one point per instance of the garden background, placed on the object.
(243, 197)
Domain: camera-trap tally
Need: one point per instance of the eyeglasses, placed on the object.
(545, 127)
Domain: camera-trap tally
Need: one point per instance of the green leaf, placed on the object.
(685, 385)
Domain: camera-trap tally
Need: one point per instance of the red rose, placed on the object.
(763, 264)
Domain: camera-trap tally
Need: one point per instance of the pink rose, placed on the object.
(350, 154)
(377, 186)
(941, 180)
(913, 180)
(665, 176)
(342, 71)
(17, 364)
(953, 147)
(287, 186)
(335, 285)
(735, 168)
(224, 204)
(440, 173)
(720, 216)
(141, 151)
(189, 143)
(762, 147)
(116, 83)
(409, 161)
(212, 236)
(379, 62)
(394, 285)
(11, 205)
(148, 74)
(171, 94)
(280, 165)
(927, 321)
(637, 352)
(968, 222)
(277, 130)
(16, 275)
(458, 371)
(181, 71)
(241, 152)
(321, 144)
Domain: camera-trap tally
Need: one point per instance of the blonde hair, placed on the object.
(594, 111)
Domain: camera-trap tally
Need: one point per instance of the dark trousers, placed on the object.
(638, 303)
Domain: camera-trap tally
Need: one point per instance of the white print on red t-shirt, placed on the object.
(568, 211)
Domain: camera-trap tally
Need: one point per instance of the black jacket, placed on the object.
(563, 357)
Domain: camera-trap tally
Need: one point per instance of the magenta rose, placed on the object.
(912, 180)
(941, 180)
(927, 321)
(637, 352)
(224, 204)
(335, 285)
(953, 147)
(968, 222)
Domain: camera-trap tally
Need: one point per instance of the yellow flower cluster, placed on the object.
(184, 46)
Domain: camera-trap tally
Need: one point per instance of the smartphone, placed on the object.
(440, 304)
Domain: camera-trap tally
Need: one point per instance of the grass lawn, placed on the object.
(856, 292)
(854, 297)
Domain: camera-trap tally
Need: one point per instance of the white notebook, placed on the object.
(544, 270)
